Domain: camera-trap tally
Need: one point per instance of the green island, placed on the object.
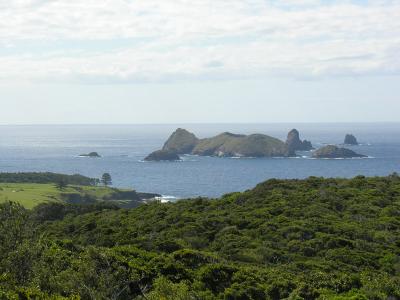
(229, 144)
(285, 239)
(223, 145)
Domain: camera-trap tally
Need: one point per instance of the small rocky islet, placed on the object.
(91, 154)
(350, 140)
(332, 151)
(228, 144)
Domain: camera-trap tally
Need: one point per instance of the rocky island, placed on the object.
(350, 140)
(91, 154)
(229, 145)
(332, 151)
(294, 143)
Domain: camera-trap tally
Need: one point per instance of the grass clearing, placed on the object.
(30, 195)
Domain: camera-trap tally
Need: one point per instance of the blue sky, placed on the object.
(158, 61)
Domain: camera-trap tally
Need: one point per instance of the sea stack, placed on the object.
(294, 143)
(332, 151)
(350, 140)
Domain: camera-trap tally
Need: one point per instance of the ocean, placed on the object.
(56, 148)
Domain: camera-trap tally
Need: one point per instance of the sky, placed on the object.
(199, 61)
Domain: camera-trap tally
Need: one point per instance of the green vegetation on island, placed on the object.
(285, 239)
(229, 144)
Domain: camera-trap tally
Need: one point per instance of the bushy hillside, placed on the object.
(285, 239)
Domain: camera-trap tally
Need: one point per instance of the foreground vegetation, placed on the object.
(286, 239)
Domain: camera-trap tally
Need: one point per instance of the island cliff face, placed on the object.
(332, 151)
(294, 143)
(223, 145)
(350, 140)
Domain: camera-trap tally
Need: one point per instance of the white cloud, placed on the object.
(179, 39)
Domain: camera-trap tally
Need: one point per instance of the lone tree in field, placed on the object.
(61, 184)
(106, 179)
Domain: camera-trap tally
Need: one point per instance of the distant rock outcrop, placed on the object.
(181, 142)
(294, 143)
(332, 151)
(350, 140)
(162, 155)
(91, 154)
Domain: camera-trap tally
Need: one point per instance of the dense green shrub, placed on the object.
(47, 177)
(286, 239)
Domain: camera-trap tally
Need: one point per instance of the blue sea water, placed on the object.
(56, 148)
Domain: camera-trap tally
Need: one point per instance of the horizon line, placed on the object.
(194, 123)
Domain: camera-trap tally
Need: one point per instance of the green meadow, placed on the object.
(30, 195)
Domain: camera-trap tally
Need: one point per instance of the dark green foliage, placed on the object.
(57, 211)
(47, 177)
(285, 239)
(61, 184)
(106, 179)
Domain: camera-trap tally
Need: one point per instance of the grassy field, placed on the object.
(30, 195)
